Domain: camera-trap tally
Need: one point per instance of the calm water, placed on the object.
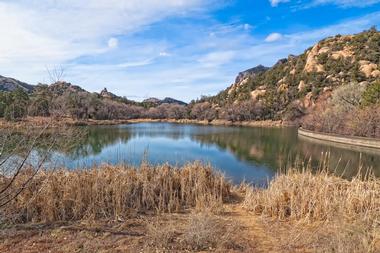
(251, 154)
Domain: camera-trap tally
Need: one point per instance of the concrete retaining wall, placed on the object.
(358, 141)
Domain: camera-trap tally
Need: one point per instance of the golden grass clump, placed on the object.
(323, 211)
(297, 195)
(114, 192)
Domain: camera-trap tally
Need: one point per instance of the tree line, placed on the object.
(83, 105)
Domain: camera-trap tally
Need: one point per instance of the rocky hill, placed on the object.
(296, 85)
(167, 100)
(10, 84)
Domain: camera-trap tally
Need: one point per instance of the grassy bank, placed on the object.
(193, 208)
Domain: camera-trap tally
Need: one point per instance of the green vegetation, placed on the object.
(371, 95)
(13, 106)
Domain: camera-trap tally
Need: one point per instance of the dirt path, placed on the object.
(131, 236)
(253, 229)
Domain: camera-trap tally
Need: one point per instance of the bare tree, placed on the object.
(56, 74)
(10, 174)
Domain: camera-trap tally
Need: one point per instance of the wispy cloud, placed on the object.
(36, 33)
(276, 2)
(273, 37)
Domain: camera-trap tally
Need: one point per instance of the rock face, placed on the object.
(10, 84)
(243, 77)
(312, 64)
(346, 52)
(250, 73)
(106, 94)
(369, 69)
(257, 93)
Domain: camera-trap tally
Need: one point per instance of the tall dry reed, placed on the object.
(297, 195)
(114, 192)
(325, 212)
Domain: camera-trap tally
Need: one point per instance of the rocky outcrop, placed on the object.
(312, 64)
(369, 69)
(61, 87)
(346, 52)
(106, 94)
(301, 86)
(257, 93)
(250, 73)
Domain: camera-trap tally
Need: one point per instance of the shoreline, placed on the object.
(349, 141)
(58, 122)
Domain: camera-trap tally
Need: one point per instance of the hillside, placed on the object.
(10, 84)
(167, 100)
(297, 85)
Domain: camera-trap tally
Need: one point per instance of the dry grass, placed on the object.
(323, 212)
(201, 231)
(167, 209)
(115, 192)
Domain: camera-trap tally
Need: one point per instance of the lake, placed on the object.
(241, 153)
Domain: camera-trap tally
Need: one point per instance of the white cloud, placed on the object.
(164, 54)
(36, 33)
(113, 43)
(273, 37)
(216, 58)
(274, 3)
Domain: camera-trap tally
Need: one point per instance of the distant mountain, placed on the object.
(152, 101)
(11, 84)
(167, 100)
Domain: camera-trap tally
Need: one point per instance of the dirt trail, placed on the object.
(253, 229)
(129, 236)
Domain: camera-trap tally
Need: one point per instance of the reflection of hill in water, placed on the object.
(270, 147)
(278, 147)
(96, 139)
(274, 148)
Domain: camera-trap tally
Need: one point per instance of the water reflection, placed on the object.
(251, 154)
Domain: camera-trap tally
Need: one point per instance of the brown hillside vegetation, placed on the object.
(191, 209)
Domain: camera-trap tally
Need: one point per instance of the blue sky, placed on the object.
(177, 48)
